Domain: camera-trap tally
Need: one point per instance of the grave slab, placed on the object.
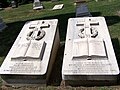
(58, 7)
(33, 53)
(89, 57)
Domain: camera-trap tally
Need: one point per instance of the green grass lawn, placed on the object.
(16, 18)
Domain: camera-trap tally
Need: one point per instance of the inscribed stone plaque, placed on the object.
(89, 56)
(31, 58)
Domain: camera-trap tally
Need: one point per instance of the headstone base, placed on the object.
(38, 8)
(24, 80)
(89, 83)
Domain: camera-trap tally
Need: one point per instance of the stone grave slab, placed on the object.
(58, 7)
(33, 53)
(89, 57)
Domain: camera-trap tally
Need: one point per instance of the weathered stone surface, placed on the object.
(30, 59)
(89, 57)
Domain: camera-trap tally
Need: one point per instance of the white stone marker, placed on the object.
(37, 5)
(32, 55)
(89, 57)
(58, 7)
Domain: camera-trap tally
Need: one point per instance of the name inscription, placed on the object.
(24, 68)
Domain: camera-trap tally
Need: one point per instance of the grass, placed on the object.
(25, 12)
(16, 18)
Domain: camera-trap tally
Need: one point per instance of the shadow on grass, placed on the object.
(111, 20)
(8, 36)
(56, 74)
(95, 14)
(116, 46)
